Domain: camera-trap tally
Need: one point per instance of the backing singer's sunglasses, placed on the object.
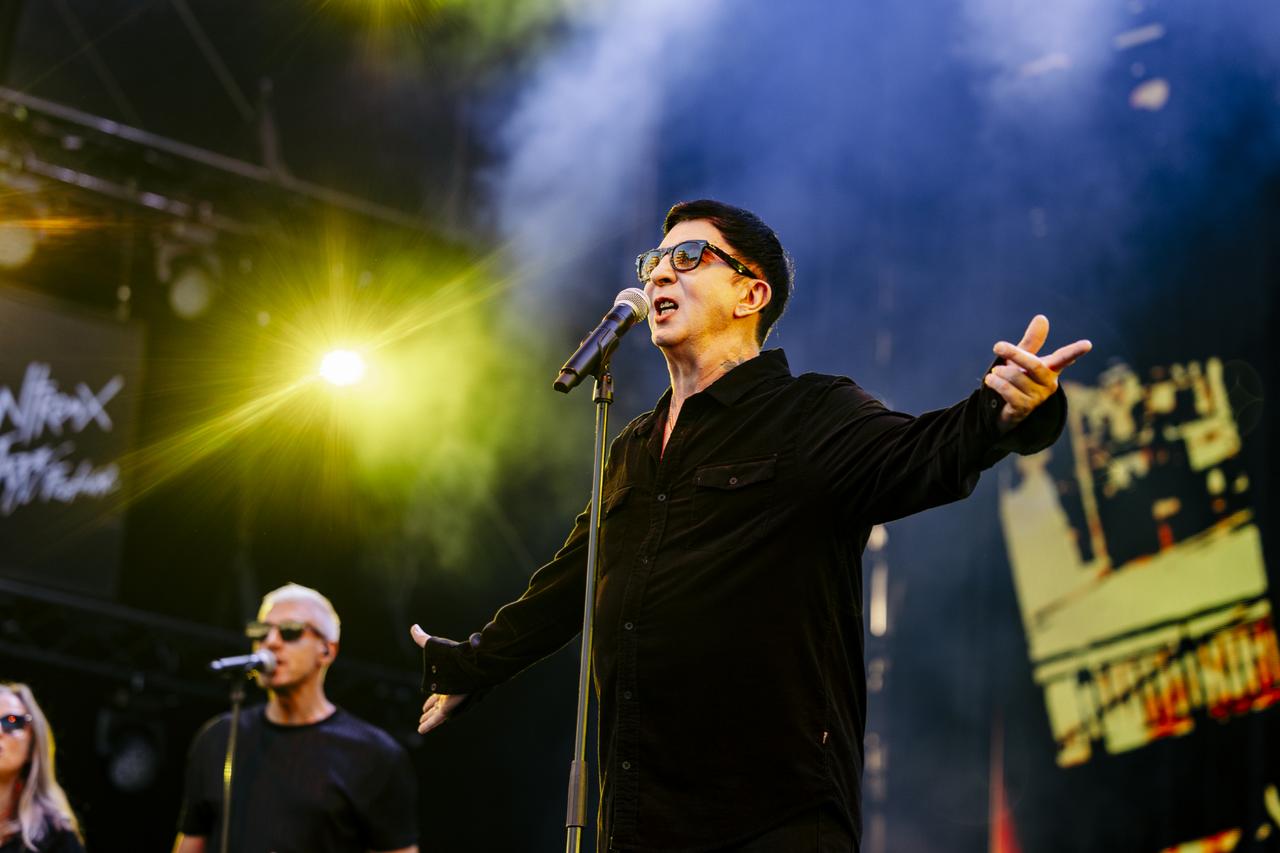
(685, 257)
(290, 630)
(14, 722)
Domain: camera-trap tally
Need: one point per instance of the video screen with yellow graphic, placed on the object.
(1138, 563)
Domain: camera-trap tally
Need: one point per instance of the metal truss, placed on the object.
(130, 167)
(150, 652)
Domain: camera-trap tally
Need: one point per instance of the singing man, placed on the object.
(728, 654)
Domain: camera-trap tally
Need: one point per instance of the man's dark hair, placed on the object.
(750, 241)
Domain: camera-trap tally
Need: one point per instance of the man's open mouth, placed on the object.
(663, 306)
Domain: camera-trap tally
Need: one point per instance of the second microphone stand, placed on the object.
(229, 763)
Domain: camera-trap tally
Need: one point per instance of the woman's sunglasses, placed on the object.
(14, 722)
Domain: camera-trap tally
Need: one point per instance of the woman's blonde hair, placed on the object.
(42, 805)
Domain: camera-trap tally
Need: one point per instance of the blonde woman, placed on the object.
(34, 813)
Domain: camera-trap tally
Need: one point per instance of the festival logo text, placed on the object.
(37, 453)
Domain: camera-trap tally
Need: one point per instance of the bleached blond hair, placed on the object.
(326, 618)
(42, 805)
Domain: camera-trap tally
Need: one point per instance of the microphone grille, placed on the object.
(635, 297)
(269, 661)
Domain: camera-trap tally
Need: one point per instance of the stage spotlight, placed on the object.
(22, 215)
(187, 262)
(134, 763)
(132, 746)
(191, 291)
(342, 367)
(17, 244)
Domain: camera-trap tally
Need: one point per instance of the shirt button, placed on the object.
(628, 626)
(995, 403)
(661, 498)
(626, 694)
(626, 765)
(433, 669)
(433, 688)
(733, 481)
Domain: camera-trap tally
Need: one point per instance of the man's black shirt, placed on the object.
(339, 785)
(728, 620)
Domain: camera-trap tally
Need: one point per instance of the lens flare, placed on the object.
(342, 367)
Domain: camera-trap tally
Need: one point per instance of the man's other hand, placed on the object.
(438, 706)
(1026, 379)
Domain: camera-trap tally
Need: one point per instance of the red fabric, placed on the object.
(1004, 836)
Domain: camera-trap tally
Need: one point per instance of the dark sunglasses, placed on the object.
(290, 630)
(14, 722)
(685, 257)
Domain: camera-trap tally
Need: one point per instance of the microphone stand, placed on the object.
(576, 818)
(228, 764)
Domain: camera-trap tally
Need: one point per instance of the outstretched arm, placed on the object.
(547, 616)
(438, 706)
(880, 465)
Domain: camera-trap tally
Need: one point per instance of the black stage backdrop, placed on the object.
(69, 383)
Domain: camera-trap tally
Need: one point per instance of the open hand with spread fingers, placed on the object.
(1026, 379)
(438, 706)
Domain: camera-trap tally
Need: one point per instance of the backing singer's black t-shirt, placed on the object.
(334, 786)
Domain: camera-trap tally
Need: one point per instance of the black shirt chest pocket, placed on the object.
(733, 502)
(616, 532)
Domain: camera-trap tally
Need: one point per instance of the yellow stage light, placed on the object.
(342, 367)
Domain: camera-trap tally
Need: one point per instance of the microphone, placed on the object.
(629, 307)
(263, 661)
